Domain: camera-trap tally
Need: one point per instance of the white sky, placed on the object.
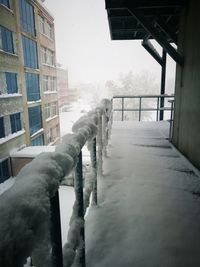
(84, 47)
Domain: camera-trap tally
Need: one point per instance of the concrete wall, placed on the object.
(186, 134)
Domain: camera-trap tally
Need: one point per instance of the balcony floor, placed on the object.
(149, 206)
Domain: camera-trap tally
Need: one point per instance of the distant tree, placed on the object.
(133, 84)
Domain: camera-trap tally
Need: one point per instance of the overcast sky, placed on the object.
(84, 47)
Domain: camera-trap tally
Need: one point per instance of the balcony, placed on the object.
(142, 194)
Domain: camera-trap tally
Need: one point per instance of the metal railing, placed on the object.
(29, 210)
(159, 107)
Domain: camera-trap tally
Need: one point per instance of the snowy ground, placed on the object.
(149, 206)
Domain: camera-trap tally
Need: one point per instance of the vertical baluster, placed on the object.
(94, 166)
(140, 106)
(56, 239)
(100, 146)
(122, 108)
(80, 203)
(158, 104)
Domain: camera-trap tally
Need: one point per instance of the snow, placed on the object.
(38, 132)
(10, 95)
(25, 206)
(34, 102)
(31, 151)
(148, 212)
(6, 185)
(67, 198)
(51, 118)
(11, 136)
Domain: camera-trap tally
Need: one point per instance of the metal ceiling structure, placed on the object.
(145, 20)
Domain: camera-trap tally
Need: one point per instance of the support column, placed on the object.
(162, 88)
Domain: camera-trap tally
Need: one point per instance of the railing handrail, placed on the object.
(143, 96)
(25, 207)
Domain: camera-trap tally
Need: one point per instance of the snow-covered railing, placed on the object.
(31, 206)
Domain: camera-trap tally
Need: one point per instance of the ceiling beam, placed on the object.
(166, 29)
(158, 36)
(152, 51)
(144, 3)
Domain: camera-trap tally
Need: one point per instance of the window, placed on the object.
(47, 109)
(2, 129)
(51, 110)
(38, 141)
(46, 28)
(11, 82)
(8, 83)
(4, 170)
(35, 119)
(50, 136)
(6, 40)
(42, 25)
(54, 109)
(47, 56)
(15, 122)
(30, 53)
(32, 87)
(49, 30)
(5, 3)
(49, 83)
(27, 19)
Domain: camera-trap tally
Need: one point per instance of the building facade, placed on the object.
(28, 95)
(62, 87)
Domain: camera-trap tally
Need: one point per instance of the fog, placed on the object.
(84, 46)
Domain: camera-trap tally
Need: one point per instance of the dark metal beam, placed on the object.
(162, 87)
(144, 3)
(157, 36)
(152, 51)
(166, 29)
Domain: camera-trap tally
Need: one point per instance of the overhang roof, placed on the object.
(161, 14)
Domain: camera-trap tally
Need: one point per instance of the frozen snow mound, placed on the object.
(25, 207)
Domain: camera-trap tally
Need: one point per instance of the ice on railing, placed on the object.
(25, 207)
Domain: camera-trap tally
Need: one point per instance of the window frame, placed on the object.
(32, 86)
(15, 122)
(6, 40)
(34, 124)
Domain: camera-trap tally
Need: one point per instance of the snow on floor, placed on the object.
(149, 206)
(67, 198)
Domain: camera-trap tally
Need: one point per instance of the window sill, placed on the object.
(37, 133)
(7, 8)
(51, 118)
(53, 142)
(8, 53)
(51, 39)
(47, 65)
(50, 92)
(34, 102)
(11, 136)
(10, 95)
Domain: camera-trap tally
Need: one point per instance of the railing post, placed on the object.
(100, 145)
(104, 134)
(56, 238)
(80, 203)
(122, 108)
(94, 166)
(140, 104)
(158, 104)
(171, 119)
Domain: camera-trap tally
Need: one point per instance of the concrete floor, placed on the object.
(148, 213)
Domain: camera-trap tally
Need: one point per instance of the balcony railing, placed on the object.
(30, 211)
(156, 104)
